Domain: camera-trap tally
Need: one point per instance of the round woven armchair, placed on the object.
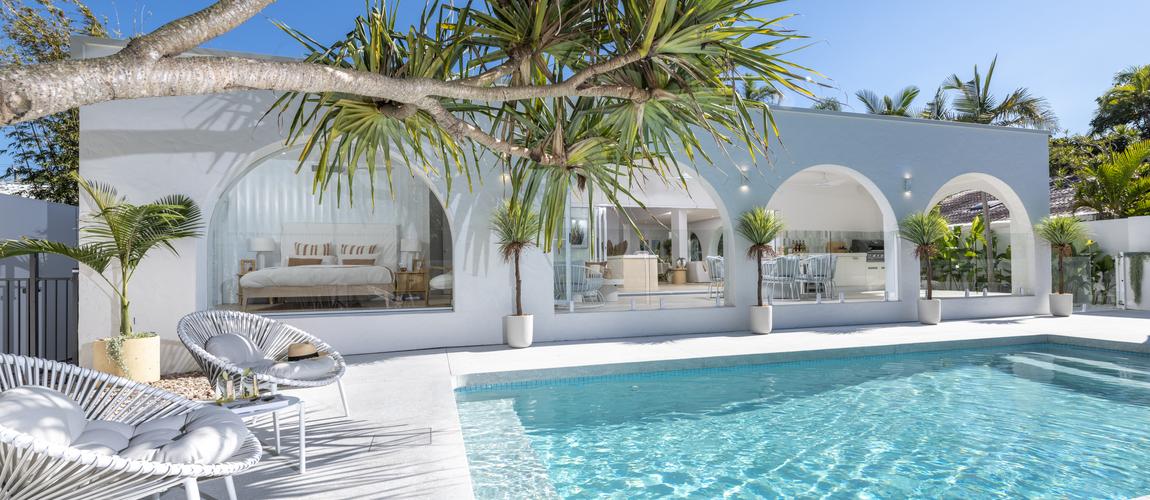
(269, 336)
(33, 469)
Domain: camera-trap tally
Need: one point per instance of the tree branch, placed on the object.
(453, 125)
(191, 31)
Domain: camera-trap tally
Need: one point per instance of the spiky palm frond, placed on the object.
(925, 231)
(897, 105)
(1120, 186)
(760, 227)
(976, 104)
(516, 228)
(938, 108)
(1062, 232)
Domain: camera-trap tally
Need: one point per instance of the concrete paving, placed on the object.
(403, 439)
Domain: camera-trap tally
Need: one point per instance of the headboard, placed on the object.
(386, 236)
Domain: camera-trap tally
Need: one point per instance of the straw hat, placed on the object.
(300, 351)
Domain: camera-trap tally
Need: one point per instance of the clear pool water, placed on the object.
(1023, 421)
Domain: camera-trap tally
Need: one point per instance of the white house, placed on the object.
(841, 180)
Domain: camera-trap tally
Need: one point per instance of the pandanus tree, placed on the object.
(578, 93)
(760, 227)
(926, 231)
(117, 236)
(1062, 232)
(516, 228)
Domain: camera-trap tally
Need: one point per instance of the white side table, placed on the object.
(274, 404)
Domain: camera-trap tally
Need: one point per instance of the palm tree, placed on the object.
(118, 237)
(1119, 187)
(975, 104)
(1126, 103)
(925, 231)
(938, 108)
(1062, 232)
(516, 227)
(760, 227)
(754, 90)
(896, 105)
(828, 104)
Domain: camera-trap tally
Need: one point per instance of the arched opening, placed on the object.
(274, 246)
(990, 247)
(673, 260)
(838, 229)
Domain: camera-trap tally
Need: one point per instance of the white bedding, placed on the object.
(321, 275)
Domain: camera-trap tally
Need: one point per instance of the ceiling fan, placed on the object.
(827, 182)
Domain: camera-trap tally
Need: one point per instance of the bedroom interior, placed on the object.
(277, 248)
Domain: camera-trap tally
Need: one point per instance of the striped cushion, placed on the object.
(311, 248)
(346, 249)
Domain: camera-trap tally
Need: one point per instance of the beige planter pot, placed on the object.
(141, 357)
(930, 311)
(762, 319)
(519, 331)
(1062, 304)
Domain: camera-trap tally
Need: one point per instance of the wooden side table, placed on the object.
(410, 283)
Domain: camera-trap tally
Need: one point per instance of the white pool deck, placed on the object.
(403, 439)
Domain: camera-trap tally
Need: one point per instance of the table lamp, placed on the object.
(261, 246)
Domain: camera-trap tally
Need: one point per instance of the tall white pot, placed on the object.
(1061, 304)
(762, 319)
(519, 331)
(930, 311)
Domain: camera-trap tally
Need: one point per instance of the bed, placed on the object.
(331, 278)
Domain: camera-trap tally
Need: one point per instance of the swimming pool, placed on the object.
(1019, 421)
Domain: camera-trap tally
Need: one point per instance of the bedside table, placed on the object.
(412, 283)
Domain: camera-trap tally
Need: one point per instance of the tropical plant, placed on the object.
(896, 105)
(939, 107)
(1062, 232)
(975, 103)
(1126, 103)
(754, 90)
(516, 229)
(569, 94)
(828, 104)
(1119, 187)
(116, 238)
(45, 152)
(760, 227)
(926, 231)
(1071, 154)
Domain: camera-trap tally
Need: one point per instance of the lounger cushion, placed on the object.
(45, 414)
(205, 436)
(234, 348)
(442, 282)
(105, 437)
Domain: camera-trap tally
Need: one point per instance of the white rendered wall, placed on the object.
(198, 146)
(25, 217)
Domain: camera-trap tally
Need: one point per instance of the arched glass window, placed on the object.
(277, 247)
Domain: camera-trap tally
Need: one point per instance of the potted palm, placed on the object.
(760, 226)
(117, 237)
(1062, 232)
(516, 227)
(925, 231)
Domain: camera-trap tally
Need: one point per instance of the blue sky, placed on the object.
(1062, 50)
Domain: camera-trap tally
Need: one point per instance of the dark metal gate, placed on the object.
(38, 315)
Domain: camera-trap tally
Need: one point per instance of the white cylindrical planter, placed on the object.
(1061, 304)
(519, 330)
(762, 319)
(930, 311)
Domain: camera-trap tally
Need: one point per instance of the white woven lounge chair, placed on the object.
(32, 468)
(270, 337)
